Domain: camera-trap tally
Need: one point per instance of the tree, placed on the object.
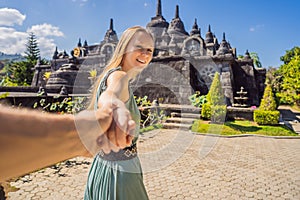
(254, 57)
(256, 60)
(21, 73)
(290, 83)
(274, 78)
(32, 50)
(289, 54)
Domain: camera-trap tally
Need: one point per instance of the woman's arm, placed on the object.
(118, 135)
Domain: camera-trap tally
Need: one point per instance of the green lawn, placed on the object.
(150, 128)
(241, 127)
(295, 107)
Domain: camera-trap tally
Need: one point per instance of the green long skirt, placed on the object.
(115, 180)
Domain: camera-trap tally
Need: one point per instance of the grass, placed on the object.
(150, 128)
(295, 107)
(241, 127)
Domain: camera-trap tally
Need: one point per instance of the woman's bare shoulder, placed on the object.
(117, 82)
(117, 77)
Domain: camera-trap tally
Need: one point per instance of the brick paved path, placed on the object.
(210, 168)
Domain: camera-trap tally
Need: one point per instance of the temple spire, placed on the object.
(247, 55)
(55, 55)
(176, 26)
(195, 29)
(195, 26)
(85, 44)
(177, 12)
(223, 49)
(157, 23)
(158, 8)
(79, 43)
(110, 35)
(209, 36)
(111, 25)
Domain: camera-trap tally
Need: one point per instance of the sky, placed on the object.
(267, 27)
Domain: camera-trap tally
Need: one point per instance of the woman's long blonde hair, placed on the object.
(116, 59)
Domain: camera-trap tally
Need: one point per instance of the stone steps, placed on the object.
(176, 126)
(186, 115)
(182, 119)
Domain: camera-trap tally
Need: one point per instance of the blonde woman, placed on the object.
(116, 171)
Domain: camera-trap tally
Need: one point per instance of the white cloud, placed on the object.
(80, 2)
(252, 29)
(256, 27)
(13, 41)
(47, 46)
(145, 4)
(44, 34)
(44, 30)
(10, 17)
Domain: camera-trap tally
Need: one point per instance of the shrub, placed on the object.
(93, 73)
(61, 105)
(47, 75)
(214, 108)
(268, 102)
(267, 113)
(218, 113)
(197, 99)
(150, 115)
(215, 95)
(266, 117)
(206, 111)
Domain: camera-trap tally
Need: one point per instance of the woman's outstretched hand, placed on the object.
(108, 128)
(120, 132)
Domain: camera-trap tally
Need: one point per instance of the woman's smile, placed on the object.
(138, 52)
(141, 61)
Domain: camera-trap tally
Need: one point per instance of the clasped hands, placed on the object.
(110, 128)
(119, 127)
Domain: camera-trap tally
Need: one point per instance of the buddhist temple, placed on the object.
(184, 62)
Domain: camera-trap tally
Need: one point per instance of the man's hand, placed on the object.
(120, 133)
(108, 128)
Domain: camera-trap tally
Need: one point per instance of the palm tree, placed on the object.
(255, 59)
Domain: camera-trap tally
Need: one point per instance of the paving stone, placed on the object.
(234, 168)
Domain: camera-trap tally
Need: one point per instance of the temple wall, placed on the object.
(166, 79)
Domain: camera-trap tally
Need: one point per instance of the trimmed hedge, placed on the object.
(264, 117)
(218, 113)
(215, 109)
(268, 101)
(267, 114)
(206, 111)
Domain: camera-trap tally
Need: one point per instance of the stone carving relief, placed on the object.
(207, 74)
(191, 48)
